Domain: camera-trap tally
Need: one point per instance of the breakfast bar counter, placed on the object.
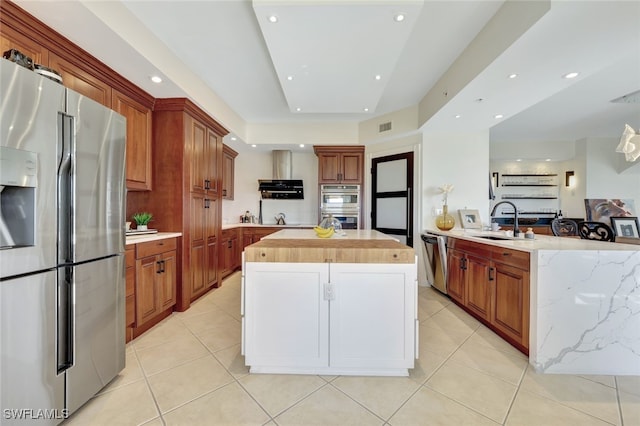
(583, 302)
(341, 305)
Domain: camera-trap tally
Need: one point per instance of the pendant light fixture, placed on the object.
(629, 144)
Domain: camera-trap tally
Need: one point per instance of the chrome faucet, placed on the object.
(516, 229)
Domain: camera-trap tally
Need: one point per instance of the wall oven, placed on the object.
(343, 202)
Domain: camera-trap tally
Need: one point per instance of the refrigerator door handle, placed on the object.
(65, 188)
(65, 318)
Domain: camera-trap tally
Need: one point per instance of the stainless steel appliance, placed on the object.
(342, 202)
(62, 215)
(435, 258)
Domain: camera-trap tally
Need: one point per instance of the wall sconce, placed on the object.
(569, 179)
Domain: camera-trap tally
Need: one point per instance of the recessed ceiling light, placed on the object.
(458, 116)
(518, 159)
(378, 77)
(366, 110)
(273, 19)
(253, 145)
(298, 109)
(233, 138)
(289, 77)
(513, 75)
(498, 116)
(399, 17)
(548, 159)
(570, 75)
(156, 79)
(301, 145)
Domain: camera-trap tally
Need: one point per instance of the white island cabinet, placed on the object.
(328, 317)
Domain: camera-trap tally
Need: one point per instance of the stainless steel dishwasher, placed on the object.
(435, 259)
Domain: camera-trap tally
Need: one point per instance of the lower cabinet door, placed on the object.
(510, 313)
(286, 320)
(478, 287)
(372, 316)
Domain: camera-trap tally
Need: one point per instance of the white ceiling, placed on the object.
(226, 57)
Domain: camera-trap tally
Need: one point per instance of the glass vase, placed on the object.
(445, 221)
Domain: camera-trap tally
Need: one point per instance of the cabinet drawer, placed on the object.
(479, 249)
(153, 248)
(515, 258)
(130, 257)
(130, 305)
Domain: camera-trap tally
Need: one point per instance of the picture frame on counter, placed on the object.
(470, 219)
(626, 226)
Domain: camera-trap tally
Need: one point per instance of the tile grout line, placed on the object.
(620, 416)
(153, 396)
(515, 394)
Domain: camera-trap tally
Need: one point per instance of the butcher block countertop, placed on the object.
(303, 246)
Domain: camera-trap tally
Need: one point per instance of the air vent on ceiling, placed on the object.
(384, 127)
(631, 98)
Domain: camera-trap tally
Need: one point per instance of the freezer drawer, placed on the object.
(28, 366)
(99, 318)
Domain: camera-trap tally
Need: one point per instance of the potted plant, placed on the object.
(142, 220)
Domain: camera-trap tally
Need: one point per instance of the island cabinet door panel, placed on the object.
(510, 313)
(372, 315)
(286, 315)
(478, 287)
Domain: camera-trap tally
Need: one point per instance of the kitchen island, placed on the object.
(583, 300)
(342, 305)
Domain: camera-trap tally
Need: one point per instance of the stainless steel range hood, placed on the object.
(281, 187)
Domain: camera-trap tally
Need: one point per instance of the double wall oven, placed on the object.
(343, 202)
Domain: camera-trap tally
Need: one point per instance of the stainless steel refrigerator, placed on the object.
(62, 274)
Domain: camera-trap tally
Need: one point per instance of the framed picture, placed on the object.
(470, 219)
(626, 226)
(601, 210)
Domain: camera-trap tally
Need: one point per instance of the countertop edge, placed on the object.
(540, 243)
(266, 225)
(145, 238)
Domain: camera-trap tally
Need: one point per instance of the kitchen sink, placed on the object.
(493, 237)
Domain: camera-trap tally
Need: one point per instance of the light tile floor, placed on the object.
(188, 371)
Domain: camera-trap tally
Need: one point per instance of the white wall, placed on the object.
(252, 165)
(603, 178)
(461, 160)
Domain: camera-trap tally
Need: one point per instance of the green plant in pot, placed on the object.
(142, 220)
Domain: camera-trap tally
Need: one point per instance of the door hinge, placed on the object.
(329, 292)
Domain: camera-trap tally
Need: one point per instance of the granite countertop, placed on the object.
(540, 242)
(145, 238)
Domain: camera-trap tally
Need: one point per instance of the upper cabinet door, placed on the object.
(79, 80)
(10, 39)
(340, 164)
(199, 151)
(211, 163)
(138, 141)
(228, 172)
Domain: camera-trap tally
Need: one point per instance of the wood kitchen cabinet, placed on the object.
(130, 294)
(88, 76)
(228, 172)
(11, 39)
(229, 252)
(340, 164)
(156, 273)
(254, 234)
(138, 140)
(187, 160)
(76, 78)
(492, 284)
